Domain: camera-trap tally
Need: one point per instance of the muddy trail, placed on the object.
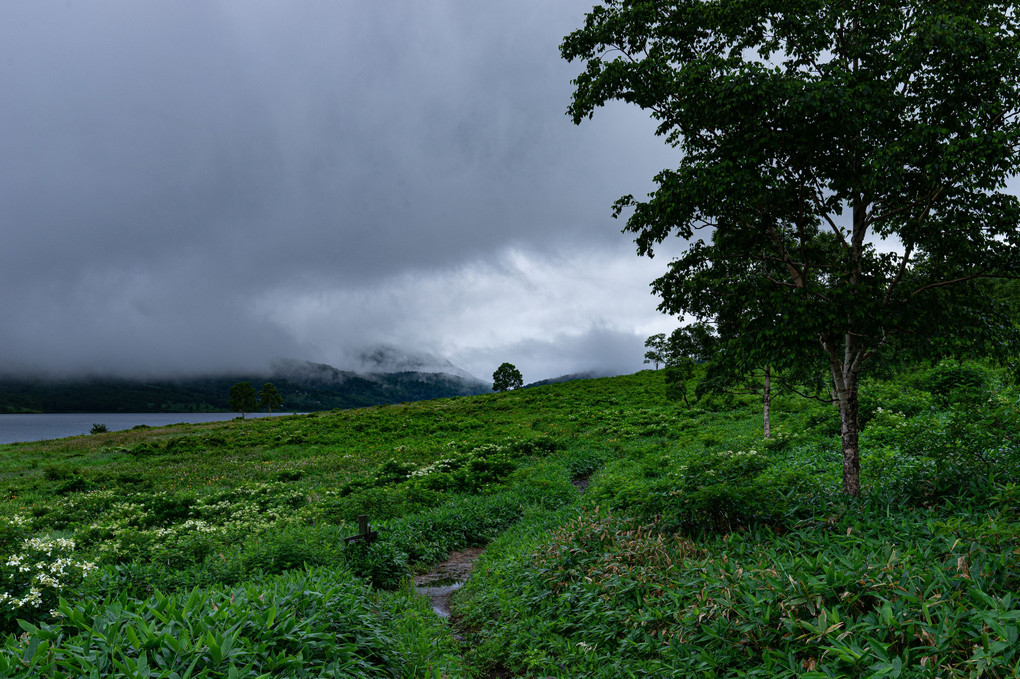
(447, 577)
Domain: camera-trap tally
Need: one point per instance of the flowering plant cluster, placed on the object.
(176, 528)
(34, 571)
(469, 470)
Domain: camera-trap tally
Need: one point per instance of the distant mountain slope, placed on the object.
(590, 375)
(304, 387)
(386, 359)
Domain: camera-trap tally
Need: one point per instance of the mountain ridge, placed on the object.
(304, 386)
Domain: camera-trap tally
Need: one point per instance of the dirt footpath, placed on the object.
(446, 578)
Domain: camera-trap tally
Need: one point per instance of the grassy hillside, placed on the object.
(627, 537)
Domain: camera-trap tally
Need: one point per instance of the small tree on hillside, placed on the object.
(656, 345)
(243, 398)
(507, 377)
(679, 370)
(685, 347)
(270, 398)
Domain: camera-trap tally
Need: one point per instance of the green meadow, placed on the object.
(626, 535)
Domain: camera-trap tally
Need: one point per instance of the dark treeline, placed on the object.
(210, 394)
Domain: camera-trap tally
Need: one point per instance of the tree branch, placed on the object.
(786, 385)
(934, 196)
(942, 284)
(785, 284)
(899, 274)
(798, 277)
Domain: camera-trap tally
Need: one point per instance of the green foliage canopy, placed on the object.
(269, 397)
(656, 345)
(243, 398)
(839, 182)
(507, 377)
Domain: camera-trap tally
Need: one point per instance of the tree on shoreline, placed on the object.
(243, 398)
(270, 398)
(846, 159)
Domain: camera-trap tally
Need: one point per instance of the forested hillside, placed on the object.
(322, 389)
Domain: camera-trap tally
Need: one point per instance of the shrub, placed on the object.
(289, 545)
(394, 471)
(700, 490)
(383, 503)
(950, 453)
(582, 462)
(59, 473)
(952, 382)
(382, 563)
(472, 470)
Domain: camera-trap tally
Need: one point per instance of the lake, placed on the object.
(35, 427)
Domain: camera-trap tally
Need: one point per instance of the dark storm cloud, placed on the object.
(176, 178)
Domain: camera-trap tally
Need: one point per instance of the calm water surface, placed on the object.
(21, 428)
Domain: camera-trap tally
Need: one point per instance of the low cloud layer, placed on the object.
(207, 185)
(549, 313)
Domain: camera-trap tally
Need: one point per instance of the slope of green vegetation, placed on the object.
(627, 537)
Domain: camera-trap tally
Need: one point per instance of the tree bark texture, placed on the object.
(849, 433)
(846, 394)
(846, 380)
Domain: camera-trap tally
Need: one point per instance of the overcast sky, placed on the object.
(205, 185)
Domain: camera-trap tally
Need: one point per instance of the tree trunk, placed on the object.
(846, 394)
(767, 402)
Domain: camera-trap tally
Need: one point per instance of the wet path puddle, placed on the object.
(446, 578)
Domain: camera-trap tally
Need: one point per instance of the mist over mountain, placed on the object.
(587, 375)
(387, 359)
(304, 386)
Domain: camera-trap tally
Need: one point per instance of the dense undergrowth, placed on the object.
(697, 549)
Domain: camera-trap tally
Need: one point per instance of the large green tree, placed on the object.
(269, 397)
(506, 378)
(243, 398)
(840, 171)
